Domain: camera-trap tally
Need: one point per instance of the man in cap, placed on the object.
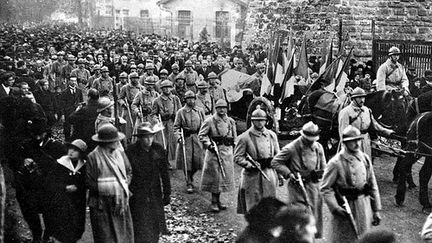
(70, 99)
(123, 81)
(180, 88)
(175, 72)
(140, 69)
(108, 176)
(217, 134)
(361, 117)
(126, 95)
(82, 73)
(142, 104)
(204, 100)
(391, 74)
(350, 174)
(150, 185)
(149, 67)
(255, 150)
(163, 75)
(96, 75)
(191, 76)
(165, 107)
(104, 84)
(67, 69)
(215, 90)
(56, 69)
(187, 123)
(303, 159)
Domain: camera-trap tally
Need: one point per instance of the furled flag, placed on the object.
(289, 80)
(302, 68)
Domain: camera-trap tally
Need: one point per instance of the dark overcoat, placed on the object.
(150, 187)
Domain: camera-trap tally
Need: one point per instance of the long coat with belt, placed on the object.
(297, 157)
(167, 106)
(350, 171)
(212, 179)
(189, 119)
(150, 186)
(126, 95)
(66, 215)
(253, 186)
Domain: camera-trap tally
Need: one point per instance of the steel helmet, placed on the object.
(351, 133)
(188, 63)
(202, 85)
(358, 92)
(190, 94)
(310, 131)
(394, 51)
(166, 83)
(123, 75)
(258, 115)
(221, 103)
(149, 66)
(163, 71)
(212, 75)
(150, 80)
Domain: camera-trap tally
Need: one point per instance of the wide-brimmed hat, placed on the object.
(146, 128)
(351, 133)
(108, 133)
(358, 92)
(78, 144)
(310, 131)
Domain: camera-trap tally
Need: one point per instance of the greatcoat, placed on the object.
(190, 120)
(391, 76)
(218, 127)
(143, 103)
(297, 157)
(167, 106)
(206, 102)
(260, 145)
(126, 96)
(150, 187)
(350, 171)
(362, 119)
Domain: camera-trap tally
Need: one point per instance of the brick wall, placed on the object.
(397, 19)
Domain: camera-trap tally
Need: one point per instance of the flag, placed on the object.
(327, 78)
(265, 84)
(328, 58)
(302, 68)
(342, 76)
(289, 80)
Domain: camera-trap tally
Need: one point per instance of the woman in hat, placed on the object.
(108, 176)
(66, 195)
(150, 185)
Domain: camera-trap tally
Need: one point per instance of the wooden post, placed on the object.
(340, 34)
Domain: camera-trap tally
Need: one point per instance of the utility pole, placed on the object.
(80, 17)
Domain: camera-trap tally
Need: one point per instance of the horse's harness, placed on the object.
(417, 141)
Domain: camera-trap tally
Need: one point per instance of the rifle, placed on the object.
(222, 169)
(351, 216)
(163, 134)
(304, 192)
(183, 143)
(129, 112)
(116, 119)
(257, 165)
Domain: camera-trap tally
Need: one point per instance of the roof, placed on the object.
(239, 2)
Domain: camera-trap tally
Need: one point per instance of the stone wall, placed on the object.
(394, 20)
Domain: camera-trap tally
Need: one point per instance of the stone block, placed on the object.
(399, 11)
(422, 11)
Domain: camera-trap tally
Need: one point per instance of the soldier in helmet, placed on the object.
(215, 90)
(180, 88)
(104, 84)
(165, 107)
(191, 76)
(204, 100)
(303, 159)
(126, 95)
(175, 72)
(149, 67)
(350, 174)
(163, 75)
(260, 145)
(187, 123)
(123, 81)
(218, 134)
(96, 75)
(391, 74)
(142, 104)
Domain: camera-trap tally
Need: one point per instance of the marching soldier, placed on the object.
(218, 134)
(149, 67)
(215, 90)
(165, 107)
(142, 104)
(126, 97)
(254, 151)
(180, 88)
(191, 76)
(303, 159)
(104, 84)
(204, 100)
(391, 74)
(360, 116)
(187, 123)
(349, 175)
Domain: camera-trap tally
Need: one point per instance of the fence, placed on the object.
(417, 54)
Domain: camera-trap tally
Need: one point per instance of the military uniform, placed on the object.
(296, 158)
(261, 146)
(143, 104)
(167, 106)
(126, 97)
(191, 78)
(206, 102)
(217, 92)
(392, 75)
(350, 174)
(145, 76)
(104, 85)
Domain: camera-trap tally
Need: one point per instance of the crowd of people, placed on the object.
(135, 106)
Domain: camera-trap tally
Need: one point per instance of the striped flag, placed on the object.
(289, 80)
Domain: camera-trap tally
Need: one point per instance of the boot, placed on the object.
(190, 188)
(410, 181)
(214, 207)
(220, 205)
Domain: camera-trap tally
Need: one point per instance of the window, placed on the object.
(125, 12)
(222, 19)
(184, 17)
(144, 13)
(108, 9)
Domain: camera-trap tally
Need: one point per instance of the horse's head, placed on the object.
(393, 115)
